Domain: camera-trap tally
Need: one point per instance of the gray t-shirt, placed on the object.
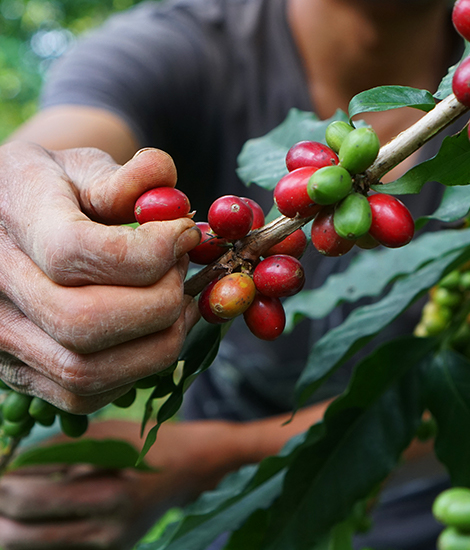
(198, 78)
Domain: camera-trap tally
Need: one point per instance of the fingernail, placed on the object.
(143, 150)
(187, 241)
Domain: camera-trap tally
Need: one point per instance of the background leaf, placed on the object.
(454, 206)
(445, 87)
(385, 98)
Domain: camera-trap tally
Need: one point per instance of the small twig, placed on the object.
(395, 151)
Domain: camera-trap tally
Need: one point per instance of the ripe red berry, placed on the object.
(258, 214)
(392, 222)
(279, 275)
(324, 237)
(230, 217)
(461, 82)
(310, 153)
(204, 306)
(293, 245)
(232, 295)
(210, 248)
(461, 18)
(160, 204)
(265, 317)
(290, 193)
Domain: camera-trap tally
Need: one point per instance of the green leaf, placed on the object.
(445, 87)
(252, 534)
(385, 98)
(451, 166)
(365, 322)
(448, 399)
(108, 453)
(454, 206)
(365, 432)
(262, 160)
(387, 265)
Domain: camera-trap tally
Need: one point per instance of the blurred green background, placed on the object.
(33, 33)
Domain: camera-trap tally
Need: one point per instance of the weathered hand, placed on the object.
(87, 307)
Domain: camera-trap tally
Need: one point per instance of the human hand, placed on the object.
(87, 308)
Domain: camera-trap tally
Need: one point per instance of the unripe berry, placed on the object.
(15, 407)
(310, 153)
(230, 217)
(290, 194)
(336, 132)
(232, 295)
(461, 82)
(126, 400)
(279, 276)
(324, 237)
(205, 308)
(210, 248)
(352, 217)
(161, 204)
(265, 317)
(359, 150)
(329, 185)
(73, 425)
(293, 245)
(461, 18)
(392, 223)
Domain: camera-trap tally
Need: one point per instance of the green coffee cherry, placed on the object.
(42, 411)
(15, 406)
(452, 508)
(73, 425)
(445, 297)
(359, 150)
(353, 216)
(453, 539)
(451, 281)
(329, 184)
(435, 318)
(147, 382)
(18, 429)
(126, 400)
(336, 132)
(465, 280)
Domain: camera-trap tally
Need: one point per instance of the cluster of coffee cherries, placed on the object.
(461, 78)
(20, 412)
(452, 509)
(324, 181)
(447, 309)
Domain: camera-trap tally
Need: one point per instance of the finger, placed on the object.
(92, 317)
(41, 211)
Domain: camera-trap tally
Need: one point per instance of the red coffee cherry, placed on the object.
(310, 153)
(461, 82)
(461, 18)
(290, 193)
(392, 223)
(265, 317)
(258, 214)
(324, 237)
(230, 217)
(293, 245)
(160, 204)
(232, 295)
(279, 275)
(210, 248)
(205, 308)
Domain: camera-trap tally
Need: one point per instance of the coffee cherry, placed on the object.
(461, 18)
(230, 217)
(210, 248)
(359, 150)
(451, 281)
(265, 317)
(452, 508)
(258, 214)
(290, 194)
(232, 295)
(126, 400)
(367, 242)
(147, 382)
(293, 245)
(445, 297)
(160, 204)
(21, 428)
(336, 132)
(73, 425)
(15, 407)
(461, 82)
(42, 411)
(310, 153)
(329, 185)
(324, 237)
(352, 217)
(392, 223)
(453, 539)
(205, 308)
(279, 276)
